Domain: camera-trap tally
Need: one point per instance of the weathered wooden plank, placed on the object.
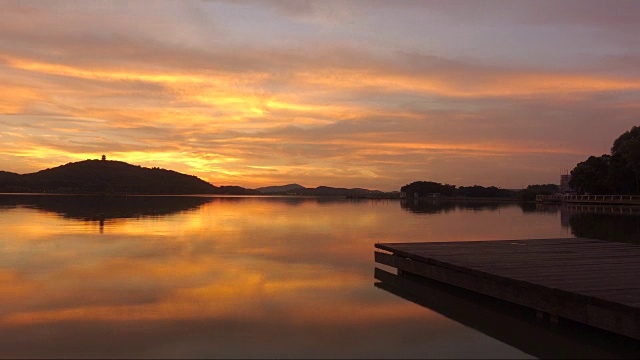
(519, 250)
(502, 243)
(554, 263)
(590, 281)
(592, 272)
(506, 262)
(487, 256)
(493, 243)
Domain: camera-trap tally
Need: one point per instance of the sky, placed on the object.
(373, 94)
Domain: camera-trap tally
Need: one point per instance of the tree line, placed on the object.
(614, 173)
(431, 188)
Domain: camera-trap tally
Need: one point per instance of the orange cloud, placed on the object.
(353, 118)
(218, 79)
(14, 99)
(507, 85)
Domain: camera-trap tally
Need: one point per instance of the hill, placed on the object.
(295, 189)
(279, 189)
(9, 176)
(353, 192)
(102, 176)
(10, 182)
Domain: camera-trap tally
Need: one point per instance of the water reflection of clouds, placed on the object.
(243, 259)
(235, 277)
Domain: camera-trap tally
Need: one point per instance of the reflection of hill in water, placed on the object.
(104, 207)
(100, 207)
(437, 206)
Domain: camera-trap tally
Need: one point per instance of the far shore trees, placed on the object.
(530, 193)
(624, 169)
(430, 189)
(427, 188)
(618, 173)
(591, 176)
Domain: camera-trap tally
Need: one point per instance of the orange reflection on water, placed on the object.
(213, 262)
(286, 272)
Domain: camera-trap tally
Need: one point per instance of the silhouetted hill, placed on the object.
(6, 174)
(295, 189)
(9, 177)
(354, 192)
(102, 176)
(10, 182)
(117, 177)
(235, 190)
(279, 189)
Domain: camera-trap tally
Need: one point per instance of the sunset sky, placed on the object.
(371, 94)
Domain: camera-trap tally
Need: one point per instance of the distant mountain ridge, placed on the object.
(296, 189)
(279, 189)
(8, 175)
(117, 177)
(103, 176)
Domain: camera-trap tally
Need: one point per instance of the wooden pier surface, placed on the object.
(589, 281)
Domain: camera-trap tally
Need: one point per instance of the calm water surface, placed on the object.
(256, 277)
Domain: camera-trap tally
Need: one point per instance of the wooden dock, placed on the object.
(593, 282)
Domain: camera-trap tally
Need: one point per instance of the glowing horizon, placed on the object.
(336, 93)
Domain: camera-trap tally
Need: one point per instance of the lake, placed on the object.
(268, 277)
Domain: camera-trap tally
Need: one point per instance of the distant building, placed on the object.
(565, 177)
